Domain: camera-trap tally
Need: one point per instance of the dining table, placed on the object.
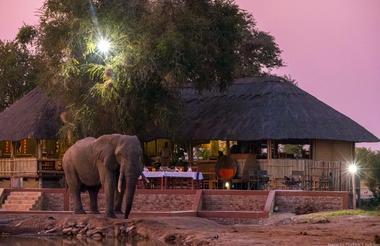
(165, 175)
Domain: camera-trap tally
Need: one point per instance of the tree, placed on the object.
(369, 162)
(158, 46)
(18, 68)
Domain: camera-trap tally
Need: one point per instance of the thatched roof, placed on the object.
(265, 108)
(33, 116)
(251, 109)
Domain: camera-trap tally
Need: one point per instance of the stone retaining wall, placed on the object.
(145, 200)
(233, 200)
(223, 206)
(288, 201)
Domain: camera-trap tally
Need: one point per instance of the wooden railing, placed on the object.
(18, 167)
(331, 173)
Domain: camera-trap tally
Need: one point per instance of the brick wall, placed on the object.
(233, 200)
(52, 201)
(288, 201)
(144, 200)
(224, 206)
(163, 202)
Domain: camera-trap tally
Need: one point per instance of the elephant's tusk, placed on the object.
(120, 182)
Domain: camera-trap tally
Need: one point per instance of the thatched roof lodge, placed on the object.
(33, 116)
(28, 140)
(259, 116)
(266, 108)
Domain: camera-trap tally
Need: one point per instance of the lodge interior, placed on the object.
(290, 164)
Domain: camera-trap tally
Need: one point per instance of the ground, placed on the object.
(340, 228)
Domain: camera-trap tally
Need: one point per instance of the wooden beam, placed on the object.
(269, 149)
(228, 146)
(190, 153)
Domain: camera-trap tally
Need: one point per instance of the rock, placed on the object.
(122, 228)
(71, 223)
(174, 239)
(129, 229)
(89, 233)
(116, 231)
(97, 236)
(377, 239)
(80, 225)
(49, 226)
(319, 220)
(51, 230)
(83, 230)
(67, 231)
(75, 230)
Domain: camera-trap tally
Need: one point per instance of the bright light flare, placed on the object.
(353, 168)
(227, 185)
(103, 45)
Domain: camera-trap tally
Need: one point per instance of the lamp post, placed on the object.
(353, 169)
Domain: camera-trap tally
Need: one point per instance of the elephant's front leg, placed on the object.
(109, 189)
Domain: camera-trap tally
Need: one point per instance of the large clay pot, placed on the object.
(225, 168)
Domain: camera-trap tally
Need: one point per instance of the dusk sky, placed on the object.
(331, 47)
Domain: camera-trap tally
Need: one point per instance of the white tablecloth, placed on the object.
(160, 174)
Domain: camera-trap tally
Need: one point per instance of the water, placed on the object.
(50, 241)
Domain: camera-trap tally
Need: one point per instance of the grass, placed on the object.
(332, 214)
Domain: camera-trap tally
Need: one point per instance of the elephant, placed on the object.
(111, 161)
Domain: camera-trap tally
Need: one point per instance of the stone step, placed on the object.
(21, 201)
(22, 194)
(28, 201)
(15, 198)
(16, 207)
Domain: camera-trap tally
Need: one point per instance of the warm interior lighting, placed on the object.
(227, 185)
(103, 45)
(353, 168)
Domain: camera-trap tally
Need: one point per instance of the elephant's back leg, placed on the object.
(93, 193)
(74, 184)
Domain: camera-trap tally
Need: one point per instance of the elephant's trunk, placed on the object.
(131, 187)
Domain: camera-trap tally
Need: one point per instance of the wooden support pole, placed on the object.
(269, 149)
(12, 150)
(155, 147)
(228, 146)
(190, 153)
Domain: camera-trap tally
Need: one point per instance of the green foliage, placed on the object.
(18, 69)
(369, 162)
(26, 35)
(157, 46)
(338, 213)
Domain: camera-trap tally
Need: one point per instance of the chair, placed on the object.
(252, 180)
(210, 180)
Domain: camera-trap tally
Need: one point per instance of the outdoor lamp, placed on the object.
(103, 45)
(227, 185)
(353, 169)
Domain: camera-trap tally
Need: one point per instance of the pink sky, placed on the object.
(330, 47)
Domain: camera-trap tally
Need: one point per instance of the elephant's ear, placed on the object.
(106, 154)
